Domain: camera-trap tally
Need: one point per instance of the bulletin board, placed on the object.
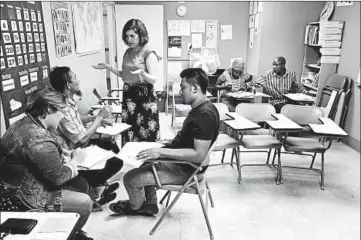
(183, 34)
(24, 56)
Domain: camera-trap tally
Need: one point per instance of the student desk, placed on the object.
(299, 98)
(328, 128)
(283, 124)
(247, 96)
(51, 225)
(240, 123)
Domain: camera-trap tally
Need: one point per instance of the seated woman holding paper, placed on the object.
(32, 175)
(72, 133)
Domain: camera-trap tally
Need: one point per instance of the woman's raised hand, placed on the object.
(100, 66)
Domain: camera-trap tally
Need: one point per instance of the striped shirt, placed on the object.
(227, 78)
(276, 85)
(71, 125)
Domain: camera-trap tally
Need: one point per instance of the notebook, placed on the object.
(95, 155)
(131, 149)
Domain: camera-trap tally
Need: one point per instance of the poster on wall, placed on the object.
(88, 30)
(61, 27)
(24, 56)
(212, 34)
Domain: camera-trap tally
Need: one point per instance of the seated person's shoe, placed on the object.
(124, 208)
(81, 235)
(108, 194)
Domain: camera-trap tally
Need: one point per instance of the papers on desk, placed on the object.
(113, 130)
(56, 225)
(240, 94)
(95, 155)
(301, 97)
(116, 109)
(130, 150)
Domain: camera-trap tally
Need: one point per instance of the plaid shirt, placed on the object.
(227, 78)
(71, 125)
(276, 85)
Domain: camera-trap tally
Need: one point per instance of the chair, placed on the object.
(101, 93)
(224, 141)
(304, 115)
(258, 112)
(194, 185)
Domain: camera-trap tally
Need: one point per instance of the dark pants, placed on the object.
(106, 144)
(279, 106)
(93, 178)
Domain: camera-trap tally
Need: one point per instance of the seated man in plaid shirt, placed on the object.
(71, 134)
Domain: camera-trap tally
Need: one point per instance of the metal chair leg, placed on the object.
(237, 158)
(210, 194)
(239, 166)
(233, 153)
(205, 213)
(224, 152)
(279, 167)
(274, 157)
(322, 171)
(268, 155)
(313, 160)
(163, 198)
(165, 213)
(166, 204)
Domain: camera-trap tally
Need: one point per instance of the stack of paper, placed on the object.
(113, 130)
(95, 155)
(131, 149)
(241, 94)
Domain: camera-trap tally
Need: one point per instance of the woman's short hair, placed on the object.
(45, 101)
(195, 76)
(139, 28)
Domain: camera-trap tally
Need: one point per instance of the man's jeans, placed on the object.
(140, 182)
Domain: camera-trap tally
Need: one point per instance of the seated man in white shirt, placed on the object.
(232, 80)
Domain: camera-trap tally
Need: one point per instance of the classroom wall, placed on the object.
(350, 65)
(282, 33)
(237, 16)
(80, 65)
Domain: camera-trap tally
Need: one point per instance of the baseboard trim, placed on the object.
(352, 142)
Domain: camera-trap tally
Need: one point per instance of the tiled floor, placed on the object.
(258, 209)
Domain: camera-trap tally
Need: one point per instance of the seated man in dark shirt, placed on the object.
(199, 132)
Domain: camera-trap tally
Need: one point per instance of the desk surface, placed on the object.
(51, 225)
(116, 109)
(328, 128)
(240, 123)
(115, 129)
(247, 95)
(111, 98)
(299, 97)
(283, 123)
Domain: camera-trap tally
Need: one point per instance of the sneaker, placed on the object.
(81, 235)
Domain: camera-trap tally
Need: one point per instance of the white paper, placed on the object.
(256, 23)
(251, 37)
(131, 149)
(95, 155)
(226, 32)
(113, 130)
(211, 34)
(260, 6)
(196, 40)
(251, 21)
(174, 52)
(330, 59)
(198, 26)
(57, 225)
(173, 27)
(174, 67)
(184, 28)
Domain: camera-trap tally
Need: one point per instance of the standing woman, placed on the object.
(139, 68)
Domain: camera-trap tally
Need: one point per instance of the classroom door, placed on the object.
(152, 17)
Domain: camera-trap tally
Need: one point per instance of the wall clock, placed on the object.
(181, 10)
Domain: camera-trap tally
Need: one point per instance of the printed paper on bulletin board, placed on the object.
(88, 29)
(212, 34)
(24, 56)
(251, 37)
(61, 26)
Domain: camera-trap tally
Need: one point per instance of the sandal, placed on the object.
(123, 208)
(108, 194)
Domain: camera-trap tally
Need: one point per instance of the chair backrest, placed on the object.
(256, 112)
(302, 115)
(207, 159)
(331, 104)
(222, 110)
(337, 82)
(96, 93)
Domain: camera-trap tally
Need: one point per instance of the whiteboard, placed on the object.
(152, 17)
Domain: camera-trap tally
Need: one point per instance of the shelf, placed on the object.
(313, 66)
(313, 45)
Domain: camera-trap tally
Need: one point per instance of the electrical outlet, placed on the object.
(344, 3)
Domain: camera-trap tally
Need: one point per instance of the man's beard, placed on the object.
(79, 93)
